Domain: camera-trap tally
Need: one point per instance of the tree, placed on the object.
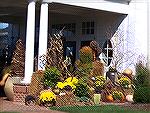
(123, 55)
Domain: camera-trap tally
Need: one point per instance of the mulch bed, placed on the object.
(6, 105)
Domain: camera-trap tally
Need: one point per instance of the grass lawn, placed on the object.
(96, 109)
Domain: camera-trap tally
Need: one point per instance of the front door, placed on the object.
(70, 50)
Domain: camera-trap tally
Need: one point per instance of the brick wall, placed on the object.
(20, 92)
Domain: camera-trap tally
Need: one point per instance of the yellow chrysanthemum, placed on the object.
(60, 85)
(47, 96)
(72, 79)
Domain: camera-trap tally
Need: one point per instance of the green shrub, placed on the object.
(81, 90)
(51, 76)
(142, 95)
(142, 86)
(142, 75)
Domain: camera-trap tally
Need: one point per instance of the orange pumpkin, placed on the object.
(109, 98)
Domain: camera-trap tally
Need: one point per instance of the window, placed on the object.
(107, 53)
(85, 43)
(69, 30)
(87, 28)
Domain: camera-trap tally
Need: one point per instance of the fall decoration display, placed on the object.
(109, 98)
(69, 84)
(47, 98)
(111, 74)
(124, 82)
(97, 99)
(66, 99)
(54, 55)
(18, 59)
(51, 77)
(86, 55)
(6, 73)
(128, 72)
(98, 68)
(129, 98)
(117, 95)
(99, 83)
(36, 85)
(96, 49)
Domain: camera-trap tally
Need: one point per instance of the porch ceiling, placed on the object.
(76, 10)
(12, 10)
(15, 10)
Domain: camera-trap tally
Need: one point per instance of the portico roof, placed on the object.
(15, 10)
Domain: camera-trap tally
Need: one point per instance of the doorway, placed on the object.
(70, 50)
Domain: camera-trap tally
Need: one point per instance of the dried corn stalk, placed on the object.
(54, 56)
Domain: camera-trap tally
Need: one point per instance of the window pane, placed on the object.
(88, 24)
(92, 31)
(87, 31)
(92, 24)
(83, 31)
(83, 24)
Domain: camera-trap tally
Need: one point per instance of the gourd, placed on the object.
(109, 98)
(2, 82)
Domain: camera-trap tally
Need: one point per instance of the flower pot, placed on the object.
(8, 88)
(97, 99)
(111, 75)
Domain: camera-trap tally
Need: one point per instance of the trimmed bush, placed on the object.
(142, 95)
(81, 90)
(86, 55)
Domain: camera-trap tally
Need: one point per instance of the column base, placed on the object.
(25, 82)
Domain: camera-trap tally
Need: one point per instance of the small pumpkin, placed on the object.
(129, 98)
(56, 91)
(109, 98)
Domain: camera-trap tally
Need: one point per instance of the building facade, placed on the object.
(35, 20)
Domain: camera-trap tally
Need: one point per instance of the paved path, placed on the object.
(10, 106)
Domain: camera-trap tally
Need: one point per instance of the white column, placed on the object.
(30, 31)
(43, 34)
(148, 34)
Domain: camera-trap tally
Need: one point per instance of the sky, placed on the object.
(3, 25)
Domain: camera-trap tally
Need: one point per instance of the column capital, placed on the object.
(45, 1)
(32, 0)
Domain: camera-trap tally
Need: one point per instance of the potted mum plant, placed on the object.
(68, 85)
(99, 85)
(47, 98)
(118, 96)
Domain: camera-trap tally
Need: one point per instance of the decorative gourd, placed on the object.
(2, 82)
(123, 98)
(56, 91)
(109, 98)
(128, 72)
(129, 98)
